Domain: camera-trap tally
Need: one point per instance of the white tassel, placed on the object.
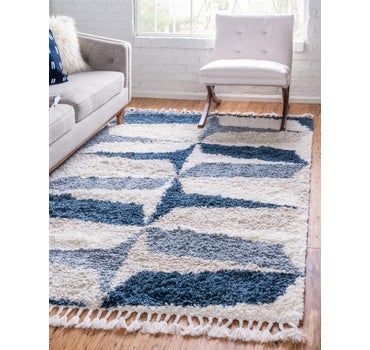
(135, 325)
(74, 320)
(159, 326)
(174, 327)
(63, 320)
(219, 331)
(196, 330)
(86, 321)
(97, 322)
(147, 325)
(215, 112)
(204, 326)
(266, 335)
(53, 320)
(295, 335)
(249, 334)
(114, 322)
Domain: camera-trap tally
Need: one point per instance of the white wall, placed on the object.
(168, 67)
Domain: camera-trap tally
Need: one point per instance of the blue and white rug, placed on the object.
(161, 227)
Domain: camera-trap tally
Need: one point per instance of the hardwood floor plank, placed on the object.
(78, 339)
(314, 240)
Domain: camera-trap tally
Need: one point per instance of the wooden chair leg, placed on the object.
(206, 108)
(120, 116)
(214, 97)
(285, 108)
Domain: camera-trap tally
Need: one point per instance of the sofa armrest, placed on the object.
(107, 54)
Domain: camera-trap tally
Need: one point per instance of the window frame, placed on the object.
(157, 39)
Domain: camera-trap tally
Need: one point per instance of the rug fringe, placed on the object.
(233, 113)
(156, 323)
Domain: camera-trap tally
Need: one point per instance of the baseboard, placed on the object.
(226, 97)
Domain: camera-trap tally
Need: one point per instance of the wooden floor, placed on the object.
(76, 339)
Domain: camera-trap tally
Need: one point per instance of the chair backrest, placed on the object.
(255, 37)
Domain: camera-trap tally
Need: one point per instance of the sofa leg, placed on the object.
(285, 108)
(120, 116)
(211, 97)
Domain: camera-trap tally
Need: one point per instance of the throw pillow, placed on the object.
(64, 31)
(56, 73)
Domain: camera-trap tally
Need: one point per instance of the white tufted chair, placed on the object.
(250, 50)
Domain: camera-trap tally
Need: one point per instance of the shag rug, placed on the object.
(159, 227)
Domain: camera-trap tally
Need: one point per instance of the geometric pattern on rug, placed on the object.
(161, 227)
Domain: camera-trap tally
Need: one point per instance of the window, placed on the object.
(187, 18)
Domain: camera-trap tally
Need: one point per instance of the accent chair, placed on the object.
(253, 51)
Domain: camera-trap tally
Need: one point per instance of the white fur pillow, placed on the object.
(64, 31)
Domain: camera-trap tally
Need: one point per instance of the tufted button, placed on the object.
(237, 50)
(264, 51)
(264, 32)
(239, 31)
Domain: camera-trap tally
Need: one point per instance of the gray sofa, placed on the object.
(89, 100)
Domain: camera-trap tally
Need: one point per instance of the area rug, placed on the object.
(160, 227)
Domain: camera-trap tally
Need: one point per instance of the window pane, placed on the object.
(155, 16)
(196, 17)
(146, 17)
(163, 13)
(183, 16)
(204, 14)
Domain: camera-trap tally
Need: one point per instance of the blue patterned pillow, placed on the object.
(56, 73)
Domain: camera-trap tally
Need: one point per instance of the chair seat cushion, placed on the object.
(87, 91)
(61, 120)
(245, 72)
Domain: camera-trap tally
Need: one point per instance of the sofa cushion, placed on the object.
(87, 91)
(61, 120)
